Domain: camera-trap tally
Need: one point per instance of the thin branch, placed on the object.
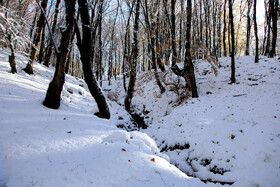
(50, 32)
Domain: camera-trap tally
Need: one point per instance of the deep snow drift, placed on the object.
(70, 146)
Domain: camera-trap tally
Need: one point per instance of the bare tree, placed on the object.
(225, 29)
(274, 6)
(50, 45)
(256, 31)
(151, 33)
(37, 38)
(84, 45)
(232, 42)
(52, 99)
(249, 4)
(188, 58)
(132, 80)
(13, 33)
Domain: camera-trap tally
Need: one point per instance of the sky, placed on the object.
(260, 11)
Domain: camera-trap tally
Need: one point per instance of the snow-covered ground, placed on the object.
(229, 135)
(70, 146)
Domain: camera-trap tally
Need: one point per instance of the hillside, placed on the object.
(70, 146)
(229, 135)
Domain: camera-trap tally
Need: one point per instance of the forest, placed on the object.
(180, 79)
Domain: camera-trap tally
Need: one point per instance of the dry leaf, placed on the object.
(123, 149)
(153, 160)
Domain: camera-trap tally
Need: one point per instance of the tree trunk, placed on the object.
(130, 90)
(159, 47)
(274, 14)
(232, 43)
(42, 46)
(37, 38)
(52, 99)
(173, 33)
(256, 32)
(84, 46)
(188, 58)
(151, 44)
(12, 60)
(247, 51)
(225, 29)
(50, 46)
(100, 45)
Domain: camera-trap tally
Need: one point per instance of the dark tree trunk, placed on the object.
(174, 66)
(268, 27)
(52, 99)
(188, 58)
(214, 17)
(84, 45)
(50, 46)
(159, 47)
(201, 24)
(256, 32)
(173, 33)
(247, 51)
(100, 45)
(232, 42)
(132, 80)
(219, 31)
(206, 10)
(12, 60)
(127, 56)
(37, 38)
(42, 47)
(274, 15)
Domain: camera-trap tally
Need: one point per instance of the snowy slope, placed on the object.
(70, 146)
(230, 134)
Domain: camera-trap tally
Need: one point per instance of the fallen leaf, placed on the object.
(153, 160)
(123, 149)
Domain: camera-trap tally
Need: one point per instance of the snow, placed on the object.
(229, 135)
(70, 146)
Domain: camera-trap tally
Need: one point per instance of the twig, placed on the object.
(50, 32)
(239, 95)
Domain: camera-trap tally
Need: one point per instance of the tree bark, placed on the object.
(256, 32)
(42, 46)
(151, 43)
(188, 58)
(232, 42)
(84, 45)
(130, 90)
(37, 38)
(274, 15)
(52, 99)
(247, 51)
(225, 29)
(267, 28)
(12, 60)
(50, 46)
